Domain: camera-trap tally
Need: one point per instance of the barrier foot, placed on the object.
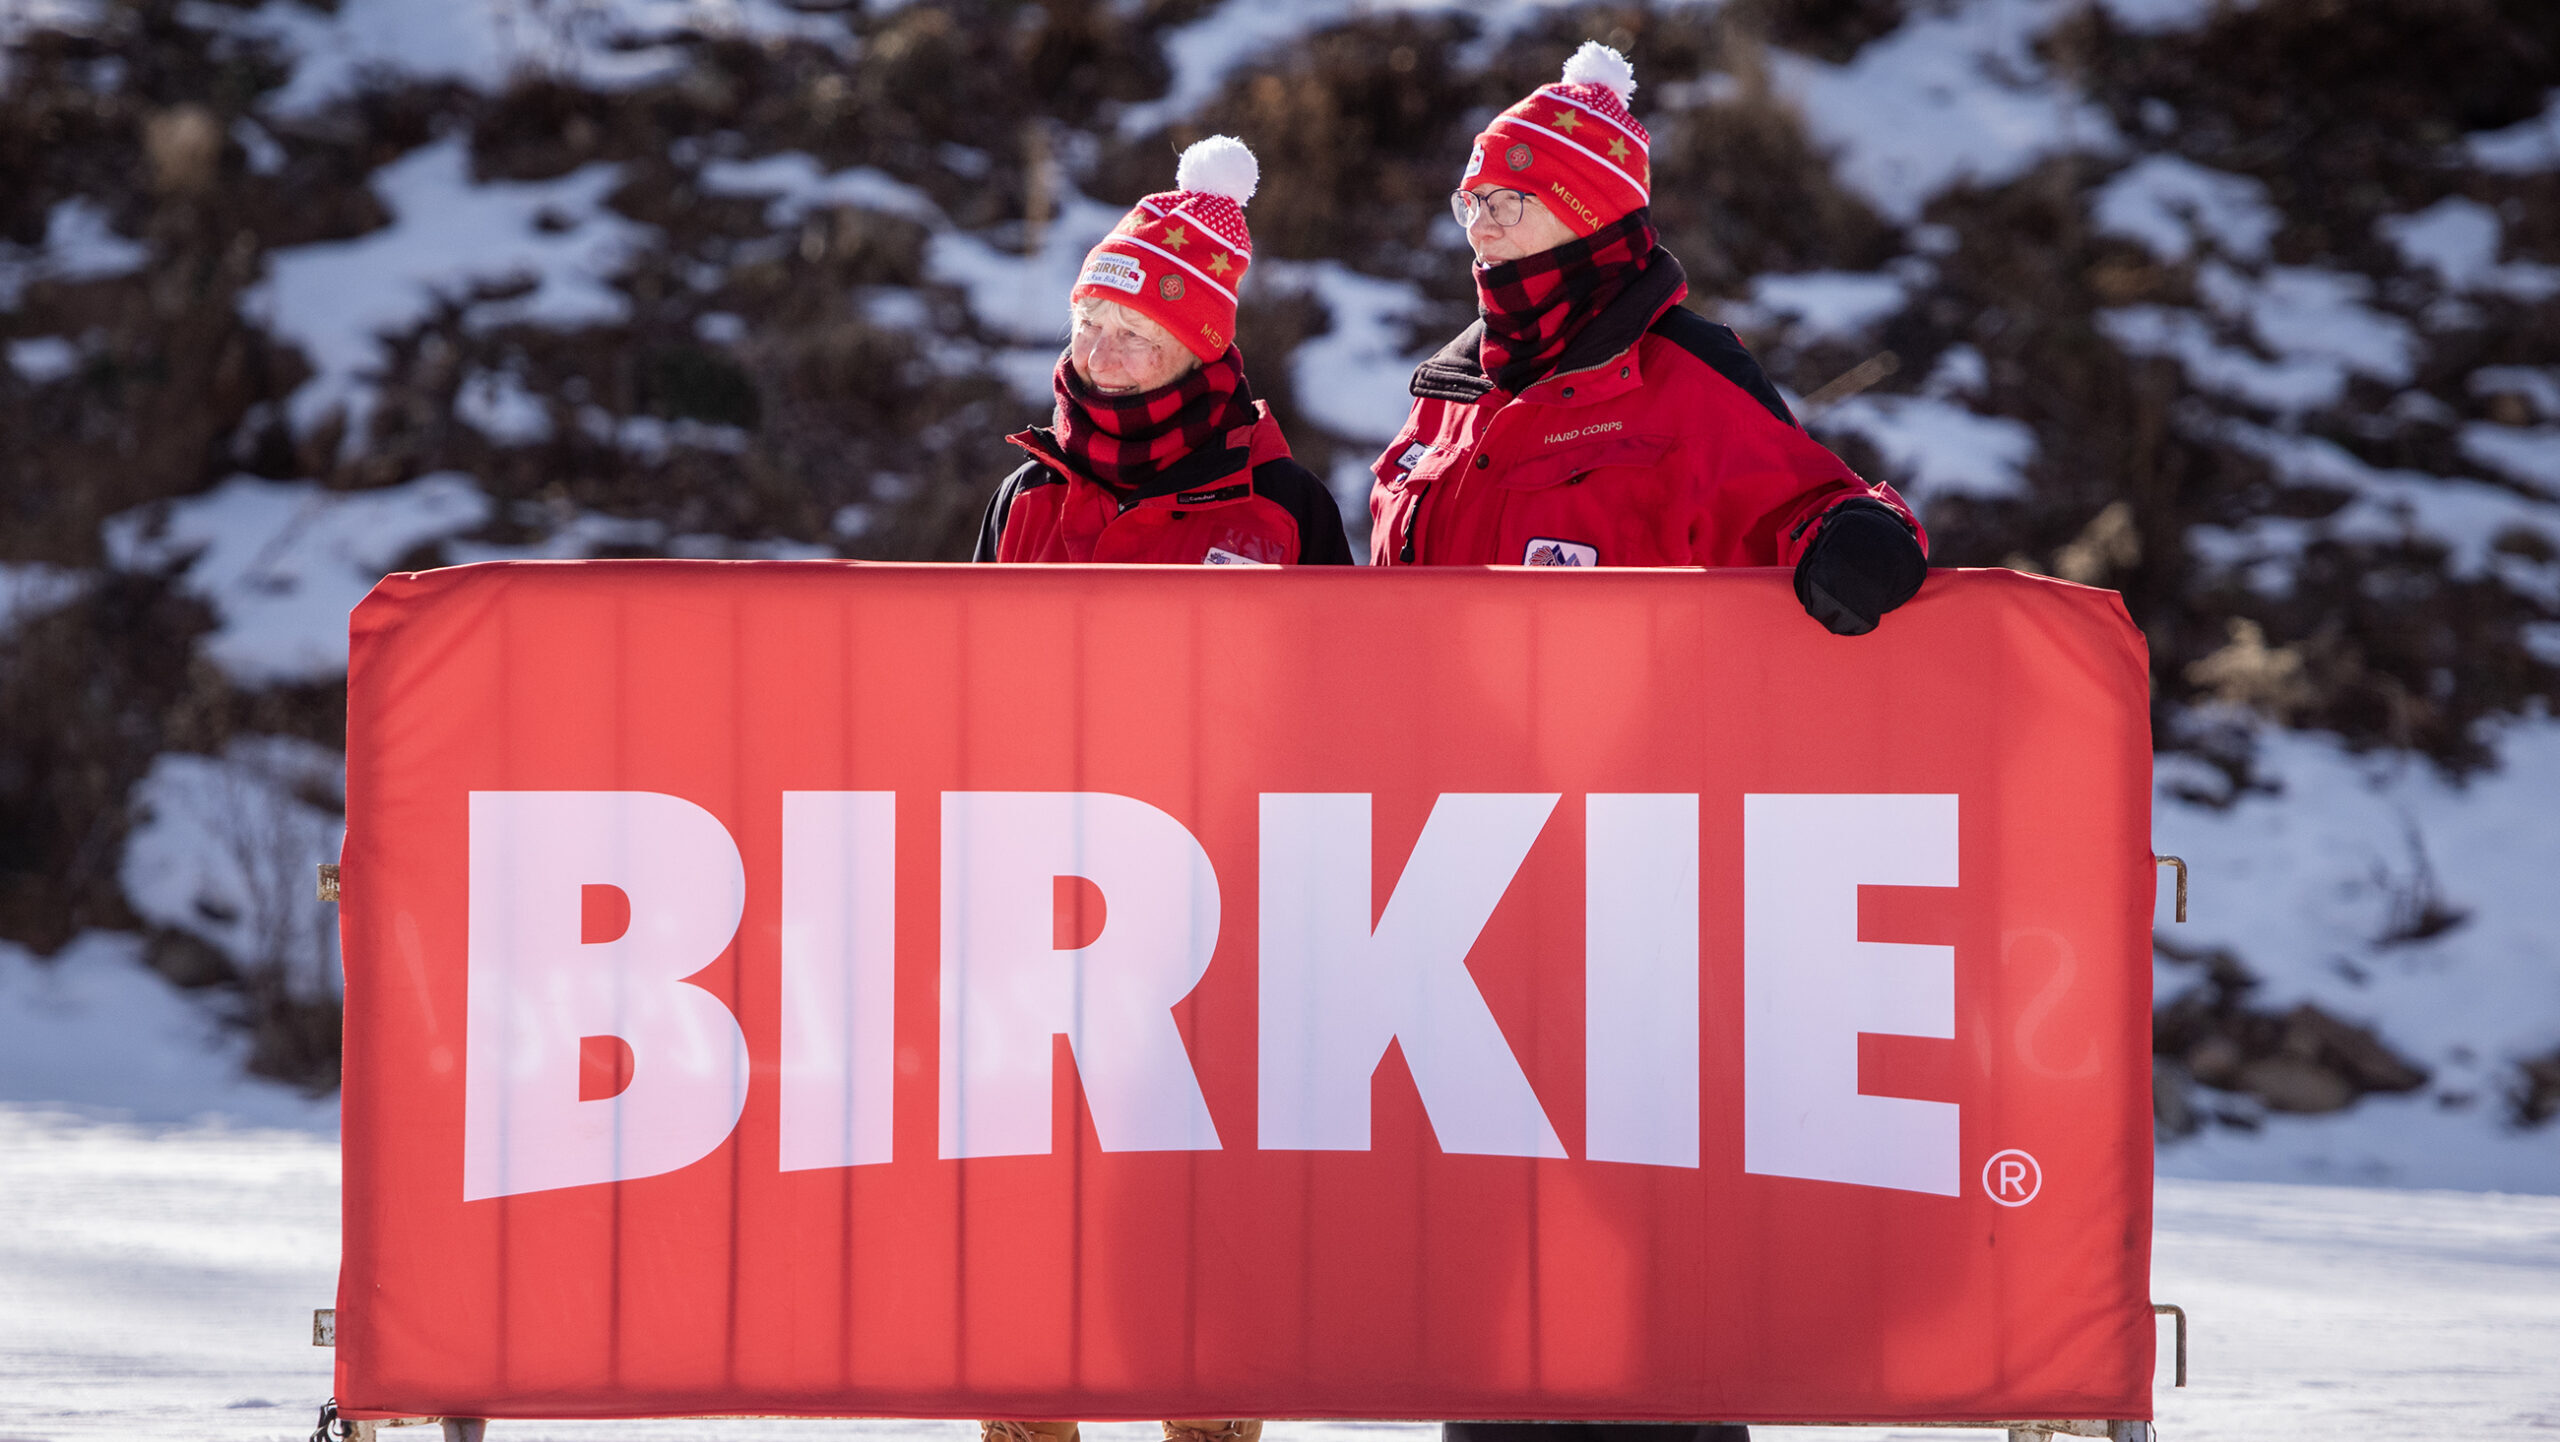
(464, 1429)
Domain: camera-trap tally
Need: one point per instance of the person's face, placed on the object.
(1537, 230)
(1118, 353)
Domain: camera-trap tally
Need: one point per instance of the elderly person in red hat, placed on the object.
(1586, 419)
(1158, 450)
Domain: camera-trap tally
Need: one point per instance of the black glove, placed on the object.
(1863, 562)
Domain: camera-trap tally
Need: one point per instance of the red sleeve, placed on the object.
(1764, 484)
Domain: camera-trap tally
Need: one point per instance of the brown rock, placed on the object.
(2216, 1061)
(2290, 1084)
(185, 146)
(2350, 1050)
(2537, 1093)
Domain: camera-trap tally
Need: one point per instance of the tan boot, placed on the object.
(1213, 1431)
(1027, 1432)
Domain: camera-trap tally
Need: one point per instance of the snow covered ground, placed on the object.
(159, 1281)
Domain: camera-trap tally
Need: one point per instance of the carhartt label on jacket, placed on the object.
(1597, 428)
(1546, 552)
(1413, 455)
(1114, 270)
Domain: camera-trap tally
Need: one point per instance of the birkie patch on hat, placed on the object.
(1198, 229)
(1545, 551)
(1111, 268)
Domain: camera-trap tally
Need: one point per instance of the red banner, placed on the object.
(1204, 992)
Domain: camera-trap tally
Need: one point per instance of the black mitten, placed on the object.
(1863, 562)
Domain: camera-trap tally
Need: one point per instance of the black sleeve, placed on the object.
(1295, 489)
(1000, 506)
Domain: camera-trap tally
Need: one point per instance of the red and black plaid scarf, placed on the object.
(1126, 441)
(1534, 306)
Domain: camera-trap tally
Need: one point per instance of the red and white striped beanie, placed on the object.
(1179, 256)
(1573, 144)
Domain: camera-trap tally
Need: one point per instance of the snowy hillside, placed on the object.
(2250, 310)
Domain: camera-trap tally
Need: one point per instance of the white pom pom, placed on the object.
(1597, 64)
(1219, 165)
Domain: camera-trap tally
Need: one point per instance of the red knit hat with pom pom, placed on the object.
(1573, 144)
(1179, 256)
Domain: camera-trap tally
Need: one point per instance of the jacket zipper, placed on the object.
(1413, 523)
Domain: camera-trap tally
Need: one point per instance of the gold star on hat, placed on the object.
(1176, 238)
(1618, 149)
(1218, 265)
(1566, 120)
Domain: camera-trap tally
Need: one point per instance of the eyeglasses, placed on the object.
(1504, 206)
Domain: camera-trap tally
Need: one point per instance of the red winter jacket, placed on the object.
(1242, 503)
(1656, 441)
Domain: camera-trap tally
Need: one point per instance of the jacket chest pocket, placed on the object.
(1603, 505)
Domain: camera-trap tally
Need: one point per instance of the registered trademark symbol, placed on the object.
(2012, 1178)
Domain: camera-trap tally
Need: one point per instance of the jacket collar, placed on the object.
(1456, 372)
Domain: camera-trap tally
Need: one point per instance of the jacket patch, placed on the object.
(1413, 455)
(1115, 270)
(1211, 497)
(1544, 551)
(1221, 556)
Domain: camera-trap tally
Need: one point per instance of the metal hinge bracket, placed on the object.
(2174, 1310)
(2155, 861)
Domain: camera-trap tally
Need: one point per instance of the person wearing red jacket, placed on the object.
(1587, 419)
(1158, 450)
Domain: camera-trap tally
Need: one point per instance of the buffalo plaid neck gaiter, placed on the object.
(1125, 441)
(1534, 306)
